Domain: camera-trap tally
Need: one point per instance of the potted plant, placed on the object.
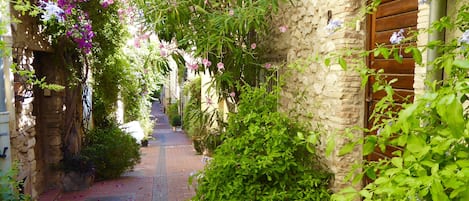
(176, 121)
(144, 142)
(79, 172)
(197, 142)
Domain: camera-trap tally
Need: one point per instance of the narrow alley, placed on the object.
(162, 174)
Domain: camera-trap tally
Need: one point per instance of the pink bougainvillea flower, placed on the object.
(209, 100)
(268, 65)
(253, 46)
(206, 62)
(163, 52)
(137, 43)
(283, 28)
(106, 3)
(68, 11)
(145, 36)
(233, 94)
(220, 66)
(193, 66)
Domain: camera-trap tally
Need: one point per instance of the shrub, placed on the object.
(176, 120)
(77, 163)
(10, 187)
(111, 150)
(191, 89)
(173, 111)
(262, 157)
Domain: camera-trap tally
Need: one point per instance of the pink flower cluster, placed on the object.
(78, 24)
(166, 48)
(127, 12)
(106, 3)
(141, 37)
(82, 33)
(206, 62)
(193, 65)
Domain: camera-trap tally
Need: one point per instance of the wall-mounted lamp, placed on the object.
(4, 154)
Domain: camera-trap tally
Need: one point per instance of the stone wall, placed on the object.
(453, 6)
(23, 138)
(27, 32)
(331, 95)
(423, 21)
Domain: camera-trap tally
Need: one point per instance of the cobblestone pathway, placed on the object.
(162, 174)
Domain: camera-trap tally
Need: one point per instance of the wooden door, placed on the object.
(391, 16)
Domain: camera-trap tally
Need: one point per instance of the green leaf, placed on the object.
(342, 63)
(366, 194)
(463, 163)
(464, 64)
(448, 65)
(370, 144)
(327, 61)
(438, 192)
(397, 161)
(405, 115)
(370, 172)
(397, 56)
(330, 146)
(376, 52)
(417, 55)
(385, 52)
(300, 135)
(415, 144)
(451, 112)
(347, 148)
(313, 139)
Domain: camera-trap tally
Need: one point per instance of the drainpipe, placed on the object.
(437, 11)
(5, 146)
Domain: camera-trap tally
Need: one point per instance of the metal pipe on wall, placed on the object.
(437, 11)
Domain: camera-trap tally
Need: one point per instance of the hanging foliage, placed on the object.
(224, 36)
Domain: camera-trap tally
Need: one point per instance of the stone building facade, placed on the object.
(329, 95)
(332, 97)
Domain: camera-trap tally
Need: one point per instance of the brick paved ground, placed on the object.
(162, 174)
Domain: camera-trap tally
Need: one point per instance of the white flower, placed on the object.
(397, 37)
(333, 26)
(51, 10)
(206, 160)
(465, 37)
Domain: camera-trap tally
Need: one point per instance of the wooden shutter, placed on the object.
(391, 16)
